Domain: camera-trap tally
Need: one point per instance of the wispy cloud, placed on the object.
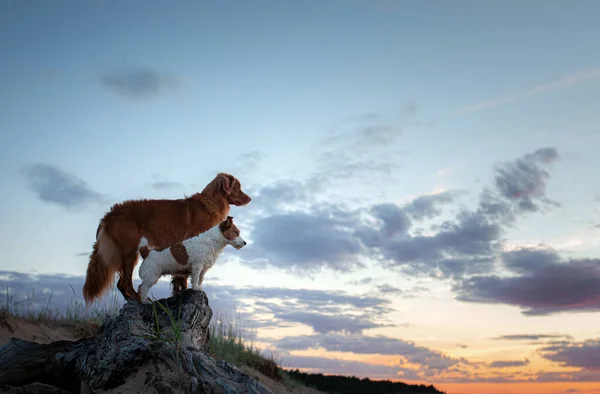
(365, 146)
(138, 83)
(529, 337)
(446, 171)
(509, 364)
(243, 165)
(565, 82)
(167, 185)
(427, 358)
(56, 186)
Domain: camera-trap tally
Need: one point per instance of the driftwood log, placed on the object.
(158, 348)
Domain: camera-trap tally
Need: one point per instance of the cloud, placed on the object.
(389, 289)
(454, 374)
(468, 244)
(522, 181)
(166, 185)
(541, 283)
(323, 324)
(357, 344)
(566, 82)
(394, 220)
(346, 367)
(304, 234)
(386, 289)
(282, 195)
(243, 165)
(529, 337)
(367, 130)
(585, 355)
(364, 147)
(464, 249)
(427, 206)
(578, 376)
(460, 247)
(363, 281)
(250, 160)
(314, 299)
(56, 186)
(509, 364)
(138, 83)
(324, 312)
(306, 241)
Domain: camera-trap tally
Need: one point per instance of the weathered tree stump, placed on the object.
(145, 349)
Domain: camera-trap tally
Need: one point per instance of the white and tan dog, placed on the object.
(193, 256)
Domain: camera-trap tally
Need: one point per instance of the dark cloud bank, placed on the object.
(466, 250)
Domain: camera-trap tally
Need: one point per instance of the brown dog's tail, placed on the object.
(105, 261)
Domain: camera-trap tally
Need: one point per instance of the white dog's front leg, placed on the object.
(201, 276)
(195, 277)
(143, 291)
(145, 286)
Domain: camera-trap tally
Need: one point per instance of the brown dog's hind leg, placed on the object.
(129, 263)
(121, 287)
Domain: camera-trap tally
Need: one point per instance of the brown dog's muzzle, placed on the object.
(241, 200)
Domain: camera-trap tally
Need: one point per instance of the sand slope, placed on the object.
(42, 331)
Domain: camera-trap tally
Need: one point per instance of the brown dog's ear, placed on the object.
(226, 183)
(229, 221)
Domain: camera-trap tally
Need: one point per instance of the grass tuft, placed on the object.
(38, 307)
(175, 325)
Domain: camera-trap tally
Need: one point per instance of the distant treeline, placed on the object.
(335, 384)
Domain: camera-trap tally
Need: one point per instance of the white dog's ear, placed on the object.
(227, 223)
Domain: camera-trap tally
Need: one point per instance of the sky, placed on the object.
(425, 203)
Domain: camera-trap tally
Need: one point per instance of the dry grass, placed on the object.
(228, 342)
(38, 307)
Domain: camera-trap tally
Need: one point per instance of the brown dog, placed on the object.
(163, 223)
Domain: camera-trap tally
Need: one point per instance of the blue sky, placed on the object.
(342, 105)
